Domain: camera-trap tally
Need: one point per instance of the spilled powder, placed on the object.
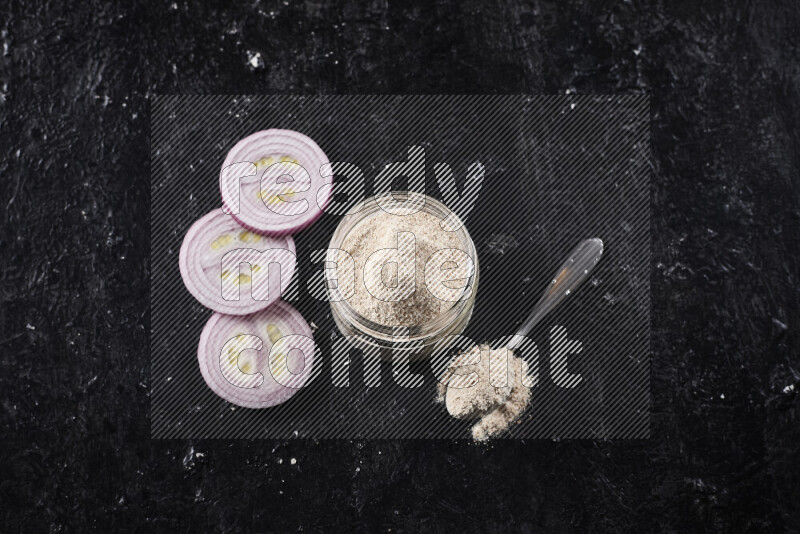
(486, 384)
(397, 307)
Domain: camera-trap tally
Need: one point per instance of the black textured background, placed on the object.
(75, 86)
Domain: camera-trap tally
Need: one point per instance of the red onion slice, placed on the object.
(259, 360)
(214, 261)
(270, 182)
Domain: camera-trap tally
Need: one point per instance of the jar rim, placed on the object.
(386, 333)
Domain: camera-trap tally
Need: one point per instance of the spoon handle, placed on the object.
(569, 276)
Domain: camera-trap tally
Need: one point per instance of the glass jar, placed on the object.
(415, 340)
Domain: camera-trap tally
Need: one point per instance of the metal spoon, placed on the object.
(572, 273)
(574, 270)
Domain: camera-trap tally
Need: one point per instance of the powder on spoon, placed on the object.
(497, 406)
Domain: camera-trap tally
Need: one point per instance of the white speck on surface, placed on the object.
(293, 461)
(721, 395)
(188, 458)
(780, 324)
(789, 388)
(254, 60)
(29, 326)
(637, 50)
